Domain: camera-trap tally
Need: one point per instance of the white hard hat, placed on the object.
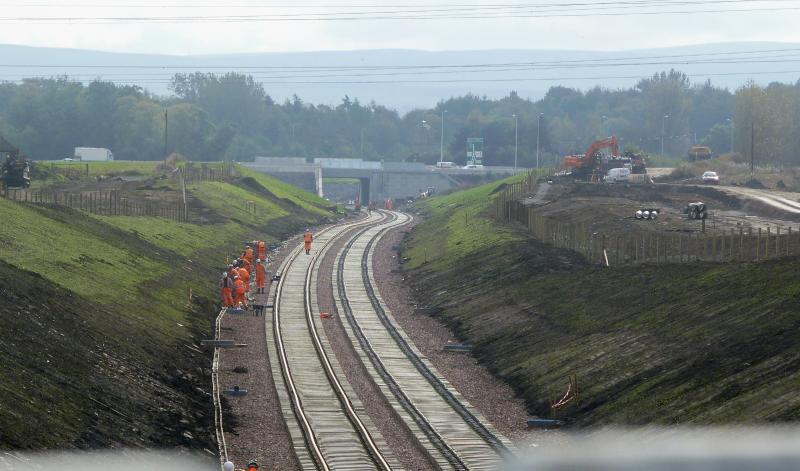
(224, 273)
(228, 466)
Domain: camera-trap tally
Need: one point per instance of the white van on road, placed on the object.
(616, 175)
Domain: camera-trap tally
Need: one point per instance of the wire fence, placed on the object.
(104, 203)
(726, 245)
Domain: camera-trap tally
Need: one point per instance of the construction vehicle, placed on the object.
(700, 153)
(15, 171)
(593, 165)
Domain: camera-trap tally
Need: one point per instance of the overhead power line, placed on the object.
(554, 10)
(238, 67)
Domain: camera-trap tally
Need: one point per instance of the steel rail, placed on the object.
(297, 404)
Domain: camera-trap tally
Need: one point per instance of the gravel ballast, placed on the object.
(403, 444)
(492, 397)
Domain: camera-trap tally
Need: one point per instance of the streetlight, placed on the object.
(604, 120)
(538, 126)
(293, 126)
(362, 143)
(730, 122)
(441, 144)
(516, 140)
(663, 124)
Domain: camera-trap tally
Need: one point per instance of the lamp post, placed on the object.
(538, 128)
(516, 140)
(604, 120)
(663, 124)
(441, 144)
(362, 143)
(730, 122)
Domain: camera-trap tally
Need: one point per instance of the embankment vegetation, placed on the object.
(101, 316)
(699, 343)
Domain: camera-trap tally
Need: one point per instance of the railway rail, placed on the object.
(335, 432)
(328, 425)
(453, 433)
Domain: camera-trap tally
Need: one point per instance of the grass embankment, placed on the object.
(95, 322)
(701, 343)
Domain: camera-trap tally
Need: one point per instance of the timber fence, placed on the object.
(727, 245)
(104, 203)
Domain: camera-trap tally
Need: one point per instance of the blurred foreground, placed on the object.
(770, 449)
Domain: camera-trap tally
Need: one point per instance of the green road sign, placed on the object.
(475, 151)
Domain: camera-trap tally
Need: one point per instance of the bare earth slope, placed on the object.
(693, 343)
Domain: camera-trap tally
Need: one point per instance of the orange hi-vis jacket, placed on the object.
(248, 255)
(308, 238)
(261, 275)
(244, 275)
(262, 250)
(239, 284)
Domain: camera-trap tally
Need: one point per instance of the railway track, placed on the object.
(325, 419)
(455, 436)
(328, 425)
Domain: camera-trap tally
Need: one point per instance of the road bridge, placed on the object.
(373, 181)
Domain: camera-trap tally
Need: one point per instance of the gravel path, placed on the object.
(492, 397)
(259, 431)
(401, 441)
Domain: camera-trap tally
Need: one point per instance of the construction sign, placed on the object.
(475, 151)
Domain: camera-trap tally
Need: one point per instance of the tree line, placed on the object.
(209, 117)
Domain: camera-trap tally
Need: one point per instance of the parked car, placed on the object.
(616, 175)
(711, 178)
(473, 166)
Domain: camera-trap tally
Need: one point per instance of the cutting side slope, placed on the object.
(701, 343)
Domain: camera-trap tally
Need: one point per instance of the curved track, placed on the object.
(335, 436)
(329, 427)
(454, 434)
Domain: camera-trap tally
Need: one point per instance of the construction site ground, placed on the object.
(610, 209)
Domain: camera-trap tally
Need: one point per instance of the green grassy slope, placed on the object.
(700, 343)
(95, 319)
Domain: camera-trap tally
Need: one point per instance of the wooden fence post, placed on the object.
(758, 245)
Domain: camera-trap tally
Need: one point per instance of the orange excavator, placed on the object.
(593, 164)
(582, 166)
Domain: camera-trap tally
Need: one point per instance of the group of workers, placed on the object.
(235, 281)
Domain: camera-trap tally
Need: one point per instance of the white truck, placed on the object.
(93, 154)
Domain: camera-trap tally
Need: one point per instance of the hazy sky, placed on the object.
(198, 27)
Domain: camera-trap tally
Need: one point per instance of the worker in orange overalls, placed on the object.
(226, 286)
(244, 274)
(261, 276)
(308, 238)
(252, 466)
(262, 250)
(248, 255)
(389, 204)
(239, 286)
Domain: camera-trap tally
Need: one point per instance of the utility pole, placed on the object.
(538, 127)
(362, 143)
(663, 124)
(732, 130)
(604, 120)
(293, 140)
(441, 144)
(166, 129)
(516, 140)
(752, 150)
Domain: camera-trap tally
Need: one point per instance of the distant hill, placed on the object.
(23, 61)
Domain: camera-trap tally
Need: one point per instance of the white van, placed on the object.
(445, 164)
(618, 175)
